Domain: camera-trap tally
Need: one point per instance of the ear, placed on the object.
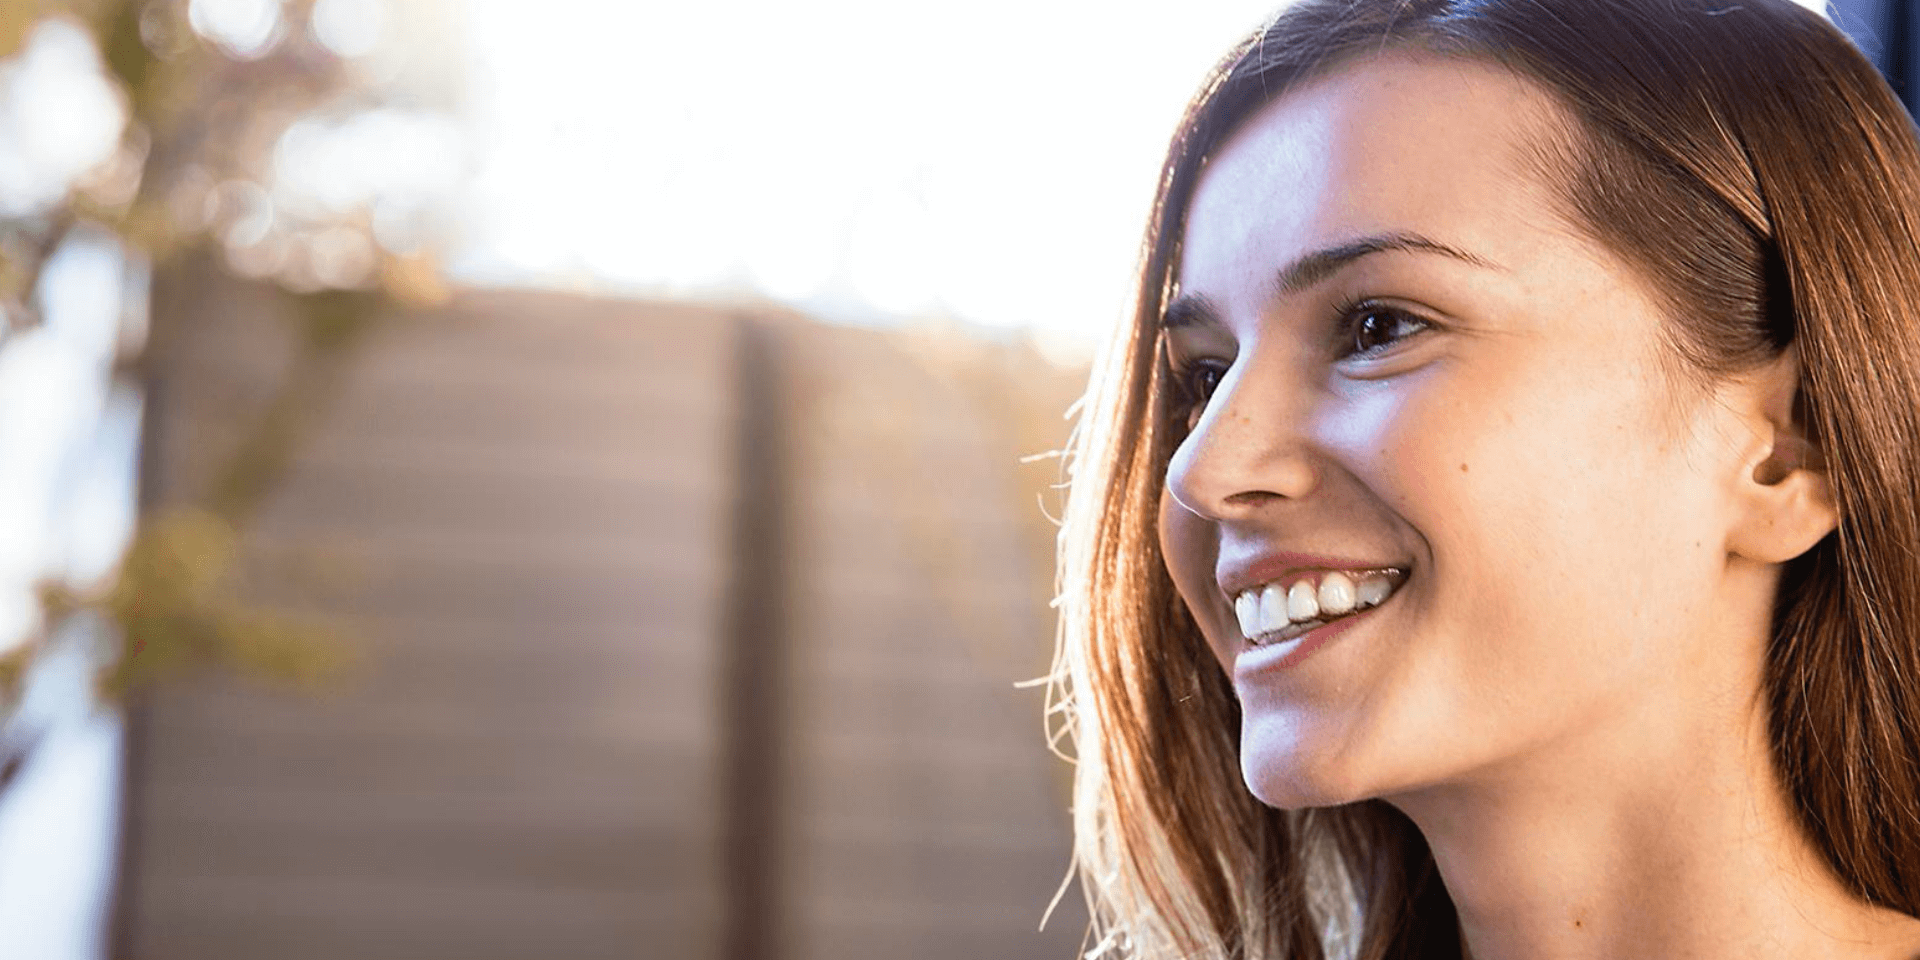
(1783, 495)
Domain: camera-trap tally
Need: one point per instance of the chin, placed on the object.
(1288, 772)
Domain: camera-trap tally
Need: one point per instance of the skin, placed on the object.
(1565, 696)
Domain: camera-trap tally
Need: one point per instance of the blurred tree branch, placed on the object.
(197, 121)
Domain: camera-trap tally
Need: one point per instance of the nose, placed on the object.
(1250, 449)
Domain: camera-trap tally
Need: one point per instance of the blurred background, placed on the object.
(487, 479)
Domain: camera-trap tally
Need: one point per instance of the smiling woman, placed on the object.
(1495, 533)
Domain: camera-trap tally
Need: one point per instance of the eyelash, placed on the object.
(1363, 307)
(1348, 317)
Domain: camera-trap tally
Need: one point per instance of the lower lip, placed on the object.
(1289, 653)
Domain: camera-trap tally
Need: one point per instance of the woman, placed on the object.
(1496, 532)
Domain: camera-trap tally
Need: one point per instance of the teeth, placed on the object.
(1337, 593)
(1274, 614)
(1373, 590)
(1247, 609)
(1273, 609)
(1302, 602)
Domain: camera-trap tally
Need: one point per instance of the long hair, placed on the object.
(1748, 162)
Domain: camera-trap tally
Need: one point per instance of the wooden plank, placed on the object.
(928, 820)
(370, 918)
(527, 763)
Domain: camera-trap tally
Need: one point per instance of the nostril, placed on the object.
(1252, 498)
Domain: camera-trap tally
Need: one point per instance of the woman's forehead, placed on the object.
(1400, 144)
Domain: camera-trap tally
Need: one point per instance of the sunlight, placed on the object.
(864, 160)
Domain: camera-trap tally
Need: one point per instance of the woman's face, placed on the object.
(1415, 363)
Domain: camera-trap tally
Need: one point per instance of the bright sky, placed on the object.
(862, 158)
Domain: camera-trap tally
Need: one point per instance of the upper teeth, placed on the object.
(1269, 608)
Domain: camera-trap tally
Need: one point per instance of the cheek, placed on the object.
(1496, 463)
(1191, 547)
(1432, 452)
(1552, 518)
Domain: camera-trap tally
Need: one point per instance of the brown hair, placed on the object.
(1749, 162)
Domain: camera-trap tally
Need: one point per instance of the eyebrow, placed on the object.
(1304, 272)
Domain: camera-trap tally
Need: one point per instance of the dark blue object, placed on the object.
(1885, 29)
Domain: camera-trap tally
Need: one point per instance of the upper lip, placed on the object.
(1284, 567)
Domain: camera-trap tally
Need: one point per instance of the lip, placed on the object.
(1284, 568)
(1282, 656)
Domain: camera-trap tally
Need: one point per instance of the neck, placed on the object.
(1689, 851)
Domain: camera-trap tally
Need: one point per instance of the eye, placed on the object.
(1369, 328)
(1202, 378)
(1196, 379)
